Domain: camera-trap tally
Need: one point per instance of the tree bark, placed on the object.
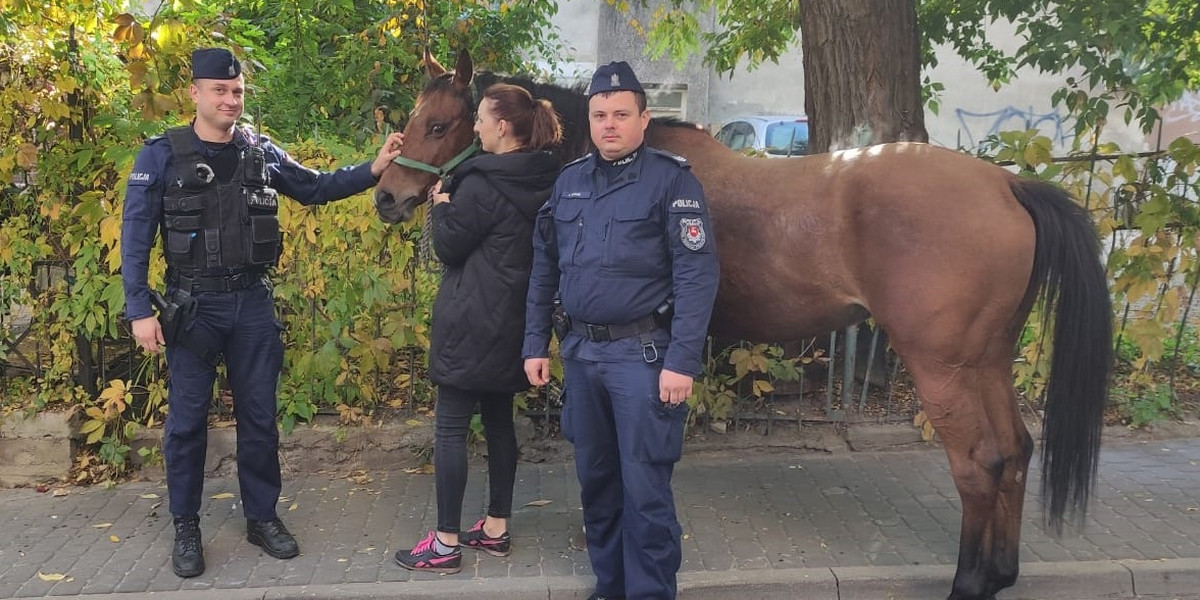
(862, 73)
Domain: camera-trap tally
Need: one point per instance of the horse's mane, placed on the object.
(675, 122)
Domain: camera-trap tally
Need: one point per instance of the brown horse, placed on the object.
(946, 252)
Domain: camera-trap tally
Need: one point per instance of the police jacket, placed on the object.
(615, 251)
(153, 173)
(483, 236)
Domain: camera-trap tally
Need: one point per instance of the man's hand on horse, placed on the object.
(390, 150)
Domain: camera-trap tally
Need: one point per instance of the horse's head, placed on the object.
(439, 135)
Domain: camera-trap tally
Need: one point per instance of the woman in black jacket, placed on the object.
(483, 233)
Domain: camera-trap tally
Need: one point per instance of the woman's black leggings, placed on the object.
(454, 410)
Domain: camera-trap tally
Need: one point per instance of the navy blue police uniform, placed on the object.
(216, 207)
(626, 246)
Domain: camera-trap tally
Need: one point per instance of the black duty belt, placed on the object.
(607, 333)
(225, 283)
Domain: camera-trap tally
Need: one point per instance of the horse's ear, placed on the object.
(463, 69)
(431, 64)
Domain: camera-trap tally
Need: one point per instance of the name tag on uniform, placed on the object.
(265, 198)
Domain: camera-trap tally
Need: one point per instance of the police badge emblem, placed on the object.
(616, 80)
(691, 233)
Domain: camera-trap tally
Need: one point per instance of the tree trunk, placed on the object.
(862, 73)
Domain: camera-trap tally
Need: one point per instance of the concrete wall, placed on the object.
(36, 449)
(612, 38)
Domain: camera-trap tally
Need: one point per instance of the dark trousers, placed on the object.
(626, 445)
(453, 413)
(242, 325)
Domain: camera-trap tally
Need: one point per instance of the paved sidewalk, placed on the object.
(766, 524)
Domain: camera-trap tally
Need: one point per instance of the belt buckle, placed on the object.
(598, 333)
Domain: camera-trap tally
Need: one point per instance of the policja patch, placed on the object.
(691, 233)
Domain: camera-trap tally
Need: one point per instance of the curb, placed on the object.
(1092, 580)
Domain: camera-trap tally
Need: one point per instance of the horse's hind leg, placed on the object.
(1011, 499)
(972, 407)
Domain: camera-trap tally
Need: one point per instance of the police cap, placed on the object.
(614, 77)
(215, 63)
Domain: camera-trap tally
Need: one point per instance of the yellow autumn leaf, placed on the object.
(116, 390)
(149, 496)
(222, 496)
(27, 156)
(920, 419)
(51, 576)
(114, 539)
(102, 525)
(412, 423)
(294, 506)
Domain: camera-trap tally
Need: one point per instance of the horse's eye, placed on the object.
(438, 129)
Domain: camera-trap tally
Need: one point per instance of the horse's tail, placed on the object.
(1067, 268)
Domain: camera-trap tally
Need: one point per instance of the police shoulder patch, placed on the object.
(692, 234)
(681, 161)
(578, 160)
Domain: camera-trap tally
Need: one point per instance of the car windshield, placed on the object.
(789, 138)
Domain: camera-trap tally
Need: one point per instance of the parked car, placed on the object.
(773, 135)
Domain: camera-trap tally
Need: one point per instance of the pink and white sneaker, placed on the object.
(477, 539)
(424, 557)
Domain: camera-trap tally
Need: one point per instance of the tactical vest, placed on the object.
(212, 225)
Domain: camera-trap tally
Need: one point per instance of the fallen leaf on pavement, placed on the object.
(42, 489)
(102, 525)
(149, 496)
(294, 506)
(51, 576)
(538, 503)
(114, 539)
(222, 496)
(60, 492)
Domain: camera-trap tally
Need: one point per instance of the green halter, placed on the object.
(443, 170)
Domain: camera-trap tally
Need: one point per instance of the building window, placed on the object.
(666, 99)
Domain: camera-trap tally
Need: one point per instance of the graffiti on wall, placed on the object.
(976, 126)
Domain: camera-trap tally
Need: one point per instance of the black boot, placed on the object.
(273, 537)
(187, 559)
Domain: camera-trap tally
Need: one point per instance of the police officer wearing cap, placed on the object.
(210, 188)
(625, 245)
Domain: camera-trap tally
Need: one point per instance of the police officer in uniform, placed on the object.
(625, 246)
(211, 189)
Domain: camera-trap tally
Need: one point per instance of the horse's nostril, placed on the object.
(383, 200)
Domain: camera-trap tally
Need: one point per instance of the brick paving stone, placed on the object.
(750, 511)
